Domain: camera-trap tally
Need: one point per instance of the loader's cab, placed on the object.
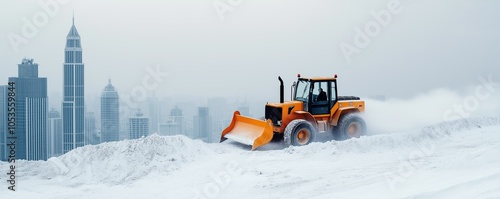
(308, 91)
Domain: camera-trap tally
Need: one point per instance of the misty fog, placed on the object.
(237, 54)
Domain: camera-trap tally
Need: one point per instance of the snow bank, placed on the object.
(178, 167)
(126, 161)
(120, 162)
(424, 137)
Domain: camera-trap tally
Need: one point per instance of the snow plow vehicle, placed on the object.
(315, 108)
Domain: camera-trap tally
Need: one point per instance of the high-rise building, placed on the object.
(91, 134)
(55, 137)
(169, 128)
(3, 123)
(31, 112)
(110, 114)
(202, 123)
(177, 117)
(139, 126)
(173, 125)
(73, 111)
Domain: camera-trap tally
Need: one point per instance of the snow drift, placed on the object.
(179, 167)
(119, 162)
(125, 161)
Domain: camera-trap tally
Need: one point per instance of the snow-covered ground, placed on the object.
(415, 150)
(458, 159)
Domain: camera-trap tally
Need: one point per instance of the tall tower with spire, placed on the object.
(73, 110)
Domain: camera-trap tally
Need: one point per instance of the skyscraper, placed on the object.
(55, 136)
(139, 126)
(110, 114)
(3, 123)
(173, 126)
(31, 112)
(73, 111)
(202, 124)
(169, 128)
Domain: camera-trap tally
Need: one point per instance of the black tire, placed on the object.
(298, 133)
(335, 133)
(351, 125)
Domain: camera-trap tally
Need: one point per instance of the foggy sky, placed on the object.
(427, 45)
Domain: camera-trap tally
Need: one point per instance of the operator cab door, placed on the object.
(323, 95)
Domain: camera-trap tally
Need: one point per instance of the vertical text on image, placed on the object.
(11, 136)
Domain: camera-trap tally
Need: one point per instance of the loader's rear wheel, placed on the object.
(299, 133)
(350, 126)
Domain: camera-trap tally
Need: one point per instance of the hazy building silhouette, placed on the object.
(91, 134)
(110, 114)
(169, 128)
(177, 117)
(124, 127)
(220, 116)
(73, 111)
(244, 110)
(164, 107)
(154, 111)
(139, 126)
(55, 140)
(3, 123)
(31, 112)
(174, 125)
(223, 124)
(202, 123)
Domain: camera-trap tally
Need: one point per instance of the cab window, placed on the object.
(320, 92)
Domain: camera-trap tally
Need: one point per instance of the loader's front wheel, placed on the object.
(299, 133)
(350, 126)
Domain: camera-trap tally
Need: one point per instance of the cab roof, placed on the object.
(317, 78)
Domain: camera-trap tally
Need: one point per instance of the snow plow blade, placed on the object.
(248, 131)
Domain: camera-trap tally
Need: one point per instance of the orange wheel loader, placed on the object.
(315, 108)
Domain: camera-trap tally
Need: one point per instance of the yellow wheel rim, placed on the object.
(354, 130)
(303, 136)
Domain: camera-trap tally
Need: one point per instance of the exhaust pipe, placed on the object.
(282, 90)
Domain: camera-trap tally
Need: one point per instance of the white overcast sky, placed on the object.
(429, 44)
